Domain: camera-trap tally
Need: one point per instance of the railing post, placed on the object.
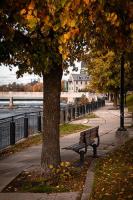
(64, 116)
(25, 126)
(85, 108)
(89, 108)
(12, 132)
(69, 114)
(73, 112)
(92, 107)
(39, 123)
(61, 116)
(81, 110)
(76, 111)
(98, 103)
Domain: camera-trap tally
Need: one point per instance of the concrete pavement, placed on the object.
(108, 122)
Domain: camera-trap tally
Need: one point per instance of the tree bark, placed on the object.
(51, 118)
(115, 99)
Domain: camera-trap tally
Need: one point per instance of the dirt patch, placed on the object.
(66, 177)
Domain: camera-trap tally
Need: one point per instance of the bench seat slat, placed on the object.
(78, 146)
(75, 146)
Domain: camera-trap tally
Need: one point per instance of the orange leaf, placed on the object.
(86, 1)
(31, 5)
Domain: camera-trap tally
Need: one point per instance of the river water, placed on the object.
(20, 107)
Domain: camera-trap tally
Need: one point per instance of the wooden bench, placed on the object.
(89, 137)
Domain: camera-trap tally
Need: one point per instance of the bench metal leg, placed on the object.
(82, 153)
(94, 150)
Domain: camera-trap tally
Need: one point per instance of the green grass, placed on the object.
(129, 101)
(71, 128)
(38, 188)
(88, 116)
(91, 115)
(114, 175)
(37, 139)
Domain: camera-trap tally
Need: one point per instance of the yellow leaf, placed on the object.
(67, 36)
(63, 2)
(30, 12)
(62, 164)
(22, 12)
(35, 12)
(32, 23)
(51, 166)
(56, 27)
(47, 21)
(115, 17)
(131, 26)
(67, 164)
(63, 20)
(60, 49)
(62, 39)
(64, 56)
(79, 11)
(72, 23)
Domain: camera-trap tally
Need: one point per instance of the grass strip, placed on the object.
(66, 129)
(114, 175)
(88, 116)
(129, 101)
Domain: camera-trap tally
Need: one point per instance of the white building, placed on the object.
(77, 82)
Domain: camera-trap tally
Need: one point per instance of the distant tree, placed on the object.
(38, 87)
(12, 87)
(83, 100)
(28, 87)
(104, 71)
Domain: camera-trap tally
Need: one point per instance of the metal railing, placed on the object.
(17, 127)
(71, 112)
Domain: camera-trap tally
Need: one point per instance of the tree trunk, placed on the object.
(115, 99)
(51, 118)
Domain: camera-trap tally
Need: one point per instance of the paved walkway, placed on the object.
(10, 167)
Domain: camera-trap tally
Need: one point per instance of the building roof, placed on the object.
(79, 77)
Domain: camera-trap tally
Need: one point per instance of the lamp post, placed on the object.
(122, 128)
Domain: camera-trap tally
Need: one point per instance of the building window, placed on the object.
(76, 82)
(81, 82)
(86, 82)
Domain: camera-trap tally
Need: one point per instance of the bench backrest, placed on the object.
(89, 135)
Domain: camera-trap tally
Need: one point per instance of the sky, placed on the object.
(7, 76)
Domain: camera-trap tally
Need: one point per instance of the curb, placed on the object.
(88, 182)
